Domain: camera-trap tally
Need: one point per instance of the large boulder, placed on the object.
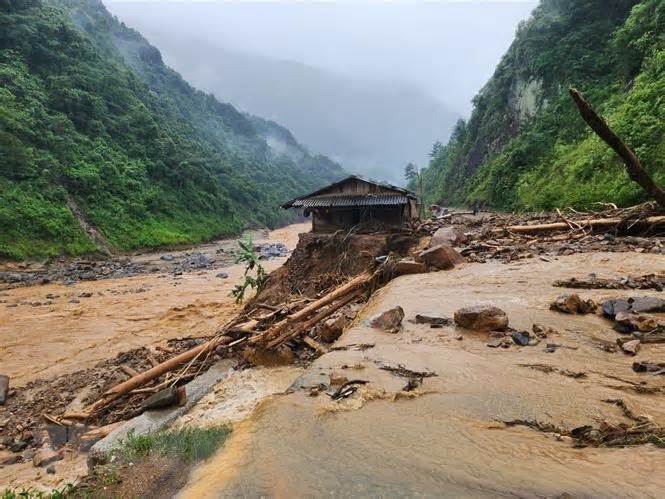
(637, 304)
(407, 266)
(448, 236)
(441, 257)
(482, 318)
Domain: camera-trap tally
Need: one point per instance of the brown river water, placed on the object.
(123, 313)
(446, 437)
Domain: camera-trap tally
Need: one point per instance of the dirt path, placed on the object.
(52, 329)
(446, 437)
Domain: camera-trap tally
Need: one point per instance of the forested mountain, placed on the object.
(375, 127)
(525, 145)
(92, 123)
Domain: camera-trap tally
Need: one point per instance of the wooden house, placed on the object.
(355, 201)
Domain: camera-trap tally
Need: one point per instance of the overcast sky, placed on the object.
(447, 48)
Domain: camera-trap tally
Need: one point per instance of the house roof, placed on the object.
(320, 199)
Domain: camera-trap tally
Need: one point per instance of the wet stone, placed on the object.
(637, 322)
(573, 304)
(7, 458)
(433, 321)
(503, 342)
(441, 257)
(640, 304)
(520, 338)
(406, 267)
(631, 347)
(45, 456)
(450, 236)
(390, 320)
(481, 318)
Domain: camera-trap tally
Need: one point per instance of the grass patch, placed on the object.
(37, 494)
(189, 444)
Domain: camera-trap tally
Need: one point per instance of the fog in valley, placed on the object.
(370, 84)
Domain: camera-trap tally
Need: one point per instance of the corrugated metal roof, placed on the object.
(298, 202)
(345, 200)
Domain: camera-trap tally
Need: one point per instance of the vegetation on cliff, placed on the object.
(525, 147)
(91, 117)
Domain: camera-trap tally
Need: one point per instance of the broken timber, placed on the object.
(271, 338)
(633, 165)
(592, 223)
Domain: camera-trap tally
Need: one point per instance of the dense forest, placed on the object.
(525, 147)
(94, 126)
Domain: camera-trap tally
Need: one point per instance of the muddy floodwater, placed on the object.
(51, 329)
(447, 437)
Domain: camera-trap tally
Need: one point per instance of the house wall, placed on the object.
(333, 219)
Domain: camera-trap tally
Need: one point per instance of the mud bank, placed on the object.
(447, 436)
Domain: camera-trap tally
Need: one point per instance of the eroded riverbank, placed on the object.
(446, 437)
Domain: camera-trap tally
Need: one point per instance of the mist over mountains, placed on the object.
(370, 127)
(370, 84)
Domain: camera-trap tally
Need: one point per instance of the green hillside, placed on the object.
(525, 147)
(92, 121)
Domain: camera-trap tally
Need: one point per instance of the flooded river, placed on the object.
(446, 438)
(94, 320)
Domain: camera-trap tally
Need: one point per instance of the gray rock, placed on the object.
(481, 318)
(449, 236)
(520, 338)
(640, 304)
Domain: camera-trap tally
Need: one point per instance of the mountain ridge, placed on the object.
(88, 110)
(525, 147)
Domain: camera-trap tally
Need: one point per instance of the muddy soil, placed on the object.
(447, 435)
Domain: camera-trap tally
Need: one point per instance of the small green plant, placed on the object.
(61, 493)
(189, 443)
(248, 256)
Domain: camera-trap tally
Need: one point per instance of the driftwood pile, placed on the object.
(509, 236)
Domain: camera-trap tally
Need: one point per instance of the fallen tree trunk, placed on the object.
(144, 377)
(633, 165)
(274, 331)
(306, 326)
(599, 222)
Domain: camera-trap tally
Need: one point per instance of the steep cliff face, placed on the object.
(90, 116)
(524, 145)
